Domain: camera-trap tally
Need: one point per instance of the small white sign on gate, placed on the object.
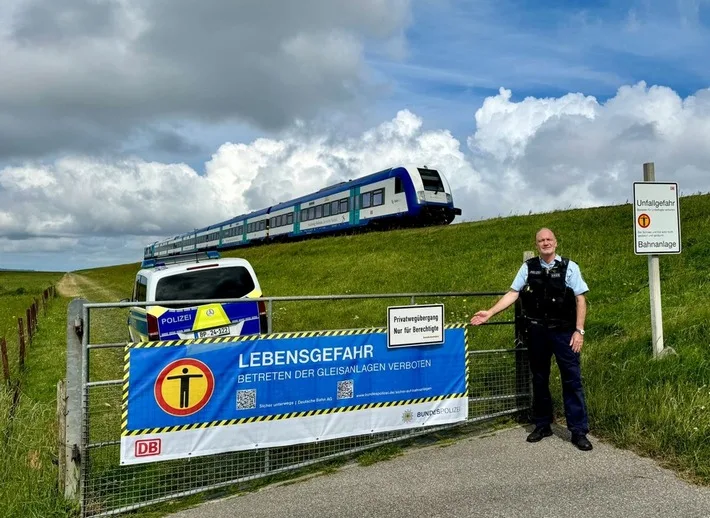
(415, 325)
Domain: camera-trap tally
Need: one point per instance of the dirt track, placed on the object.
(75, 285)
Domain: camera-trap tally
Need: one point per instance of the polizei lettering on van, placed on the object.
(176, 319)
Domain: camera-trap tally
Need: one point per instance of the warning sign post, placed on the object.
(656, 231)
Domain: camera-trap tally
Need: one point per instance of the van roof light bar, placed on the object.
(192, 257)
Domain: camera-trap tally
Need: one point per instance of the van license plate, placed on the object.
(209, 333)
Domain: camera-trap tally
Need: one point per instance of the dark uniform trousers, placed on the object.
(542, 344)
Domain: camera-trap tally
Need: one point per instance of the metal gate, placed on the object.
(498, 381)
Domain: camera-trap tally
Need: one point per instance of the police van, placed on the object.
(195, 277)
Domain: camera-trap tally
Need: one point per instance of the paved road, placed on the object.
(492, 476)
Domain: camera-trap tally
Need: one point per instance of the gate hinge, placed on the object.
(79, 327)
(75, 454)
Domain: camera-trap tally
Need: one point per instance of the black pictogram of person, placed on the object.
(185, 386)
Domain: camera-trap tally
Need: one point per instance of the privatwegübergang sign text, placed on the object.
(201, 398)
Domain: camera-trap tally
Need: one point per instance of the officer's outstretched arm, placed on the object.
(503, 303)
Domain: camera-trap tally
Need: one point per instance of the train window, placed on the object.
(312, 213)
(319, 211)
(289, 218)
(326, 209)
(262, 225)
(378, 197)
(344, 206)
(432, 180)
(398, 185)
(366, 200)
(334, 205)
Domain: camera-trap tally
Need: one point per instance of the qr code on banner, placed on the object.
(345, 389)
(246, 399)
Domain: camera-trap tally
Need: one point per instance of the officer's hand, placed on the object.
(480, 318)
(576, 342)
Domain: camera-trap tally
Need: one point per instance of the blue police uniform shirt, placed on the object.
(573, 279)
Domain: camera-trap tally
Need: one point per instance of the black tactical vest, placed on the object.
(545, 298)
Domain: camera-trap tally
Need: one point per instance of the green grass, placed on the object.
(659, 408)
(28, 432)
(17, 293)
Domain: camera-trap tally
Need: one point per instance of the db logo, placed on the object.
(147, 447)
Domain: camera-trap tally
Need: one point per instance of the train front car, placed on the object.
(430, 200)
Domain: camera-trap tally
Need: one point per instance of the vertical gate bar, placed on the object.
(270, 315)
(83, 464)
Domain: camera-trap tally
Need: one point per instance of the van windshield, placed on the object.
(211, 283)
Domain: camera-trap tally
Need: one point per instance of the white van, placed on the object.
(195, 277)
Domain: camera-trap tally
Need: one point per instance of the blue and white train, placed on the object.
(399, 196)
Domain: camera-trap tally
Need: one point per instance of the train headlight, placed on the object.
(449, 199)
(420, 196)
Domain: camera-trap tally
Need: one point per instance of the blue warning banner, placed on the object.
(287, 388)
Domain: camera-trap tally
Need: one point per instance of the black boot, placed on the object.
(539, 433)
(581, 442)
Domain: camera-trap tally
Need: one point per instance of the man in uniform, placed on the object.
(552, 292)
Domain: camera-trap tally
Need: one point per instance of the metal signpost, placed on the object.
(656, 231)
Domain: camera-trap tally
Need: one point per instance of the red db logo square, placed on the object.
(147, 447)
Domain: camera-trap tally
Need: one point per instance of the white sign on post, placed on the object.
(656, 218)
(415, 325)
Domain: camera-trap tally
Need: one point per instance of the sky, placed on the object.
(127, 121)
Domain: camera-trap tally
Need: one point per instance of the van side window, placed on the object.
(139, 292)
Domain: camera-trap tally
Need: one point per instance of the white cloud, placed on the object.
(537, 154)
(83, 76)
(541, 154)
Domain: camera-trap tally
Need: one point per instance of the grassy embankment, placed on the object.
(658, 408)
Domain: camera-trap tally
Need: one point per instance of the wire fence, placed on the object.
(498, 384)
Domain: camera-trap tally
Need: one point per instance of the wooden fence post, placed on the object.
(35, 307)
(22, 342)
(5, 363)
(28, 315)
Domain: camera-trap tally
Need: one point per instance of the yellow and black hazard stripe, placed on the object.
(279, 417)
(271, 336)
(302, 334)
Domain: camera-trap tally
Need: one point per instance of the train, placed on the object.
(395, 197)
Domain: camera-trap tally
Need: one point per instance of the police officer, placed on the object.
(552, 293)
